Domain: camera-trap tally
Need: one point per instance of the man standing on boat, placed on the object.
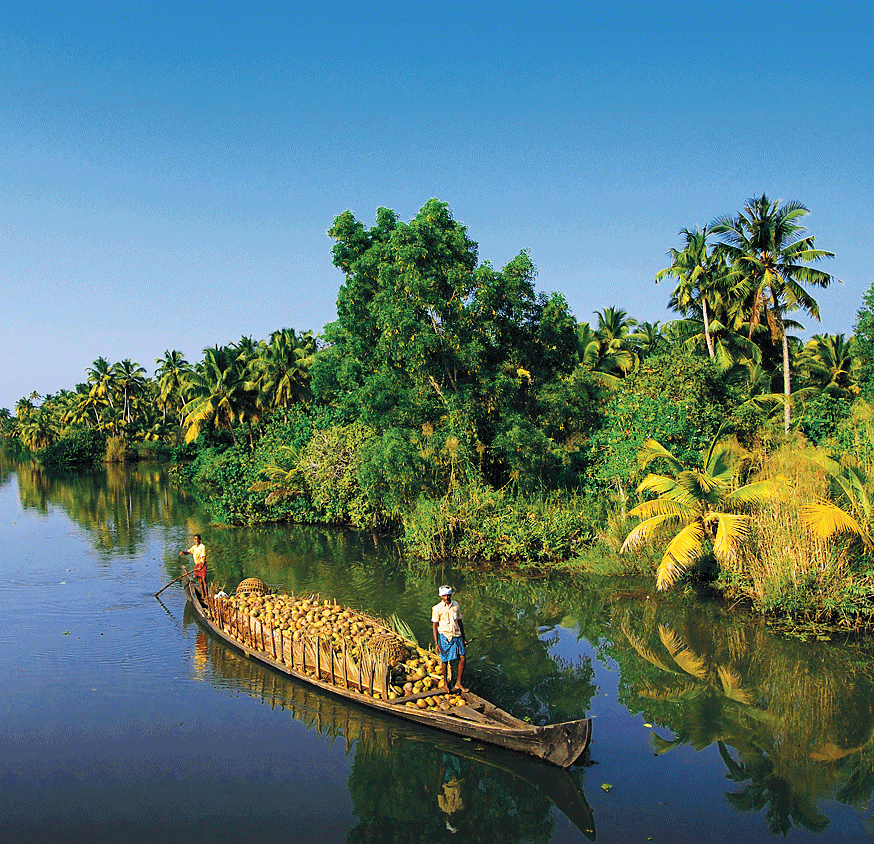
(449, 638)
(198, 554)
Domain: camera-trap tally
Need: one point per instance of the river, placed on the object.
(120, 717)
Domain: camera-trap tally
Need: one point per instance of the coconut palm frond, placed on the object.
(673, 693)
(681, 552)
(403, 629)
(760, 492)
(731, 530)
(700, 487)
(638, 537)
(663, 507)
(653, 450)
(732, 687)
(664, 486)
(649, 655)
(683, 655)
(826, 520)
(830, 752)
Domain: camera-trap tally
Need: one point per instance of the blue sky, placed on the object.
(168, 172)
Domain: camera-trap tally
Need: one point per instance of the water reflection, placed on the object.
(793, 721)
(405, 777)
(115, 504)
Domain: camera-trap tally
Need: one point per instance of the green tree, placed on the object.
(678, 398)
(219, 393)
(863, 333)
(173, 374)
(699, 269)
(766, 246)
(425, 337)
(39, 430)
(102, 377)
(609, 350)
(829, 364)
(283, 368)
(130, 382)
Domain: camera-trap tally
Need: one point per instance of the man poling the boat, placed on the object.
(449, 638)
(198, 554)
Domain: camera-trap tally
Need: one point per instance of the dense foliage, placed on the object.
(452, 404)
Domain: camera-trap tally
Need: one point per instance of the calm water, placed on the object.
(120, 717)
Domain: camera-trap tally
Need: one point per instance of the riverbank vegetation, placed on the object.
(474, 418)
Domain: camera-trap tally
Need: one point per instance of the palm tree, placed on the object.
(699, 271)
(608, 352)
(648, 339)
(102, 376)
(172, 375)
(830, 365)
(853, 514)
(39, 431)
(698, 501)
(219, 393)
(767, 249)
(23, 408)
(130, 381)
(284, 368)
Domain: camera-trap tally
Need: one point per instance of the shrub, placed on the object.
(475, 522)
(786, 569)
(117, 451)
(78, 447)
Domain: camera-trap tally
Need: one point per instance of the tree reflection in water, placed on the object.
(409, 783)
(793, 721)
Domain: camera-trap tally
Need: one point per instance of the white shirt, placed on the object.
(447, 617)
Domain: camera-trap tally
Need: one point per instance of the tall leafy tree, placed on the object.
(39, 430)
(829, 365)
(219, 393)
(130, 381)
(697, 267)
(426, 339)
(768, 249)
(283, 368)
(173, 374)
(609, 350)
(102, 377)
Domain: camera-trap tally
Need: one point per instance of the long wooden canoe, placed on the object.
(561, 744)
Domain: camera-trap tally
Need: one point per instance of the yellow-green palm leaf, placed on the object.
(731, 531)
(664, 507)
(650, 656)
(639, 536)
(826, 520)
(683, 655)
(681, 552)
(732, 687)
(752, 495)
(653, 450)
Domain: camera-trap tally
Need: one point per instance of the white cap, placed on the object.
(444, 590)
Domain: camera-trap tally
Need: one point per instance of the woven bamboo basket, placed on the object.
(251, 586)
